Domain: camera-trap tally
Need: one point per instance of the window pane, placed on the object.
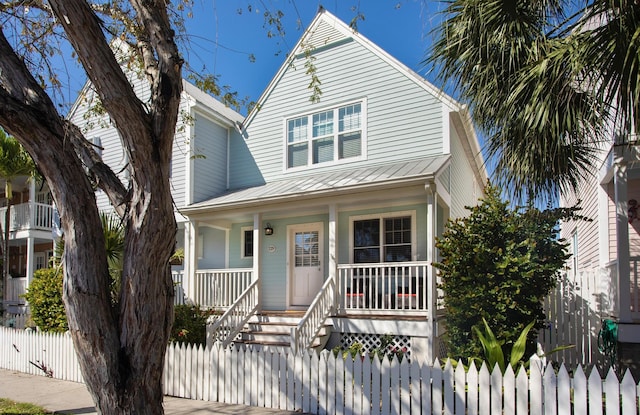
(397, 239)
(307, 249)
(366, 240)
(366, 255)
(322, 124)
(349, 117)
(298, 155)
(349, 145)
(322, 150)
(248, 243)
(297, 130)
(397, 253)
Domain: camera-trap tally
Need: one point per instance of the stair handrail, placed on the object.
(305, 333)
(229, 324)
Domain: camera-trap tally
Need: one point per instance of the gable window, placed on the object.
(326, 136)
(247, 242)
(383, 239)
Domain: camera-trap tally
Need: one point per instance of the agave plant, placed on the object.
(494, 354)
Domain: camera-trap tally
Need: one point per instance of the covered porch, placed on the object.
(355, 246)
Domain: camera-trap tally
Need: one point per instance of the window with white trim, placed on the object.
(383, 238)
(326, 136)
(246, 241)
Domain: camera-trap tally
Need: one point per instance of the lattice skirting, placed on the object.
(372, 342)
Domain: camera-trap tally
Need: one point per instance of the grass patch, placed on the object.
(9, 407)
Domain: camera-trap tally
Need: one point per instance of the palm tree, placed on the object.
(546, 82)
(14, 162)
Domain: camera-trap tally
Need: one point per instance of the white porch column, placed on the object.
(30, 239)
(190, 258)
(432, 295)
(333, 249)
(257, 252)
(622, 237)
(30, 257)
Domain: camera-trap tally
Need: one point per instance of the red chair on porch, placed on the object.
(355, 295)
(409, 296)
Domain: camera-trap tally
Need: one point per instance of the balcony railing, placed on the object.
(27, 216)
(383, 288)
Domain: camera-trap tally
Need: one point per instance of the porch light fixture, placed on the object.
(268, 230)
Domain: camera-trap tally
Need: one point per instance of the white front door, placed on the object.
(306, 269)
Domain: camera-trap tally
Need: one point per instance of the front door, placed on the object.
(305, 263)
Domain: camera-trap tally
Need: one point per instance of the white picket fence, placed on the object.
(575, 310)
(325, 384)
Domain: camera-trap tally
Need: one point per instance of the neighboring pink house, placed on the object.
(603, 273)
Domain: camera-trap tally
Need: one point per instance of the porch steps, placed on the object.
(274, 329)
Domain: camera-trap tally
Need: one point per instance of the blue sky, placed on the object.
(222, 39)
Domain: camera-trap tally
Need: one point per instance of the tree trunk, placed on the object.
(120, 347)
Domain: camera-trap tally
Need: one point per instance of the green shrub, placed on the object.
(45, 300)
(190, 324)
(499, 264)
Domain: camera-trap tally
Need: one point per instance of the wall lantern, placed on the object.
(268, 230)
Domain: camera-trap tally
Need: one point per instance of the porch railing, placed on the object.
(29, 216)
(303, 336)
(16, 288)
(227, 327)
(384, 287)
(634, 282)
(220, 288)
(610, 280)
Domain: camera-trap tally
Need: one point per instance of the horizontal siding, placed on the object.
(634, 228)
(465, 189)
(180, 157)
(611, 221)
(403, 120)
(114, 155)
(588, 231)
(210, 163)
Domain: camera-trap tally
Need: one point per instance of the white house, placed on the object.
(31, 240)
(310, 221)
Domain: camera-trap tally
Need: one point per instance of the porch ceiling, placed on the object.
(334, 182)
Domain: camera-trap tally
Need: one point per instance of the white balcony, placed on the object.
(28, 216)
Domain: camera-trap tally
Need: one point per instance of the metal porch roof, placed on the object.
(338, 180)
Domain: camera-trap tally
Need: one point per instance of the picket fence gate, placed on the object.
(328, 384)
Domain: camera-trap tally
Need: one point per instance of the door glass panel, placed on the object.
(306, 254)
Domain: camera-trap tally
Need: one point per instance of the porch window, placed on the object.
(247, 242)
(382, 240)
(327, 136)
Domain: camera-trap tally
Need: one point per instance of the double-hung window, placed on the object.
(383, 239)
(327, 136)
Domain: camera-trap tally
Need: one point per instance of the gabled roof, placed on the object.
(327, 29)
(221, 111)
(406, 172)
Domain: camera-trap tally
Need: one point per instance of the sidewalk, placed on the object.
(63, 397)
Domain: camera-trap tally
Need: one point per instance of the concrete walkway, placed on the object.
(63, 397)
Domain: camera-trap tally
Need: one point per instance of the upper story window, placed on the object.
(326, 136)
